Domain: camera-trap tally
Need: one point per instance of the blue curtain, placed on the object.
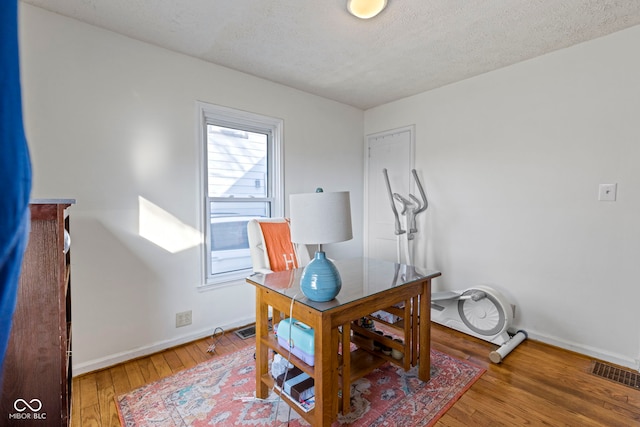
(15, 171)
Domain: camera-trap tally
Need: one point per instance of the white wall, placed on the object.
(109, 120)
(511, 162)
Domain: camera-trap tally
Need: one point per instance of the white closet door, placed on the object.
(392, 150)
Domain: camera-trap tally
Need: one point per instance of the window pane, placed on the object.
(229, 242)
(237, 162)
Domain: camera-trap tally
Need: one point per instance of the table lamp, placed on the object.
(316, 219)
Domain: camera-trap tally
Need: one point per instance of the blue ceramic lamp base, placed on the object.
(320, 279)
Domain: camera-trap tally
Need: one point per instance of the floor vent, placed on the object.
(622, 376)
(249, 331)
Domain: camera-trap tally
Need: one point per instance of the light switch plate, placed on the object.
(607, 192)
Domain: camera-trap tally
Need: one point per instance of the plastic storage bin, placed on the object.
(301, 341)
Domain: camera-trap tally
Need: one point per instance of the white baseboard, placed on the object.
(587, 351)
(114, 359)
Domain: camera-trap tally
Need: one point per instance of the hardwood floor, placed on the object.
(535, 385)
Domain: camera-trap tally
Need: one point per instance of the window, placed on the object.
(242, 180)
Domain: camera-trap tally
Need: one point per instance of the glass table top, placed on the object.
(361, 277)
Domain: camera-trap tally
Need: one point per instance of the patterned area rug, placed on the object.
(220, 392)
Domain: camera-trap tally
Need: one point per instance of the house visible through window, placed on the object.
(242, 180)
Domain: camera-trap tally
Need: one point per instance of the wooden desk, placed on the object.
(367, 286)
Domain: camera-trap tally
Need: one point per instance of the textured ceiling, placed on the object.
(317, 47)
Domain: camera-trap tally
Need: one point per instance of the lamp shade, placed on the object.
(318, 218)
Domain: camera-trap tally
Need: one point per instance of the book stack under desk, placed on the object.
(298, 387)
(306, 406)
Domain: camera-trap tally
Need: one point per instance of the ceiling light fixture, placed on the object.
(366, 9)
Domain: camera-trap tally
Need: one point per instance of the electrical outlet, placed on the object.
(183, 319)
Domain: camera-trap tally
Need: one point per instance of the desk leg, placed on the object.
(424, 364)
(414, 330)
(408, 343)
(346, 368)
(262, 351)
(326, 380)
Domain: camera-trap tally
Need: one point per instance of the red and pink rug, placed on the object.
(220, 392)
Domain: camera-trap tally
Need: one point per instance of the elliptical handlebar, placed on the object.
(421, 206)
(399, 229)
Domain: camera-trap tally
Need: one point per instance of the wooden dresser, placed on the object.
(37, 369)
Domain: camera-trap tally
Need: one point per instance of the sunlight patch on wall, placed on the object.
(165, 230)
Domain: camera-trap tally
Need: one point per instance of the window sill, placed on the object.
(235, 280)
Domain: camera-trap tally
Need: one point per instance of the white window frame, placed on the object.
(229, 117)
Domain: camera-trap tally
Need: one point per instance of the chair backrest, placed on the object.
(260, 252)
